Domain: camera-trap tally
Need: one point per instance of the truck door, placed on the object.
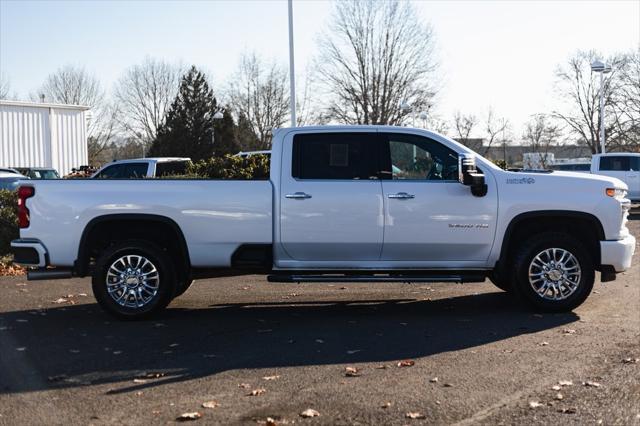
(430, 218)
(331, 197)
(623, 167)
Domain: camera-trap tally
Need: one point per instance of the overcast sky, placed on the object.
(498, 53)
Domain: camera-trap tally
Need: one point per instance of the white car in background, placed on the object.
(139, 168)
(621, 165)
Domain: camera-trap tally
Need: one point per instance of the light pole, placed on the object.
(602, 69)
(292, 77)
(217, 116)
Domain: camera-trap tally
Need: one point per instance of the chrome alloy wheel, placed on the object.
(554, 274)
(133, 281)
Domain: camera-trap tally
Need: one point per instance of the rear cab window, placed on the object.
(335, 156)
(616, 163)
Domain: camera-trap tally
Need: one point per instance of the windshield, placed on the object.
(43, 174)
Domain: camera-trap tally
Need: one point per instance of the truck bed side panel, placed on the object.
(215, 216)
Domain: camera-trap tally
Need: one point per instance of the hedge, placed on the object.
(255, 167)
(8, 219)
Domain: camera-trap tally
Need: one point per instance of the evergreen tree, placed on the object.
(225, 131)
(188, 129)
(246, 137)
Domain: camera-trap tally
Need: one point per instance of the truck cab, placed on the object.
(620, 165)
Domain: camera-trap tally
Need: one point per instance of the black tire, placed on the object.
(537, 244)
(501, 282)
(164, 286)
(182, 287)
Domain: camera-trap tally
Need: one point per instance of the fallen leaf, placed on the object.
(448, 385)
(271, 377)
(59, 300)
(544, 343)
(351, 372)
(210, 404)
(589, 383)
(386, 405)
(139, 381)
(556, 387)
(309, 412)
(565, 383)
(406, 363)
(568, 331)
(433, 380)
(631, 360)
(381, 367)
(244, 385)
(414, 415)
(567, 410)
(185, 417)
(535, 404)
(257, 392)
(559, 396)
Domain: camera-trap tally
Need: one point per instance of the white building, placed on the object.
(43, 135)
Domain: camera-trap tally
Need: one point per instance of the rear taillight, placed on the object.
(24, 192)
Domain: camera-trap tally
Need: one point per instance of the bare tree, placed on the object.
(579, 88)
(626, 105)
(5, 86)
(103, 127)
(540, 135)
(259, 91)
(71, 85)
(463, 126)
(375, 56)
(494, 127)
(144, 94)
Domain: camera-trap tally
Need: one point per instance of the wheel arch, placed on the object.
(141, 224)
(589, 227)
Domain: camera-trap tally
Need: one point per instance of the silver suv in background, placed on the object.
(139, 168)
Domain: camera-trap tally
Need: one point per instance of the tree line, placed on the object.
(376, 64)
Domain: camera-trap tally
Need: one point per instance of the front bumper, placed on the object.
(29, 253)
(618, 253)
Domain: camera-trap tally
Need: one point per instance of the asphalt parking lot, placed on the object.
(253, 350)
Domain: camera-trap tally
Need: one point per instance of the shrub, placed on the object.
(8, 219)
(255, 167)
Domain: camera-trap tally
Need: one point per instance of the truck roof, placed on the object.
(618, 154)
(150, 159)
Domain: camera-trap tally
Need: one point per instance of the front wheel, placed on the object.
(553, 272)
(133, 280)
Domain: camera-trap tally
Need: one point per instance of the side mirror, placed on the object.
(468, 175)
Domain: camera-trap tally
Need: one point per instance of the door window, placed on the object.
(615, 163)
(335, 156)
(111, 172)
(412, 157)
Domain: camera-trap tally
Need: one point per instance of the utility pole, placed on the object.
(292, 78)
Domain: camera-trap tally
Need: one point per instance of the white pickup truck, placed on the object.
(347, 203)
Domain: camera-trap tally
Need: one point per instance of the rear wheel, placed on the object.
(133, 280)
(553, 272)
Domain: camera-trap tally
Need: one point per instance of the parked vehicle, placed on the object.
(10, 180)
(38, 172)
(584, 167)
(344, 203)
(9, 170)
(621, 165)
(139, 168)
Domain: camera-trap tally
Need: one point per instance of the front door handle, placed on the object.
(298, 196)
(402, 196)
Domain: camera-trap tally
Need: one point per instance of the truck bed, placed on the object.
(215, 216)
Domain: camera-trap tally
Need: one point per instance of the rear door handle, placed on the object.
(298, 196)
(402, 196)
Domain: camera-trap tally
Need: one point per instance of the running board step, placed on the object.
(344, 278)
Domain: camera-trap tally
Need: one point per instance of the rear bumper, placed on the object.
(29, 252)
(618, 253)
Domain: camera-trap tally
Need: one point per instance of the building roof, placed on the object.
(43, 105)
